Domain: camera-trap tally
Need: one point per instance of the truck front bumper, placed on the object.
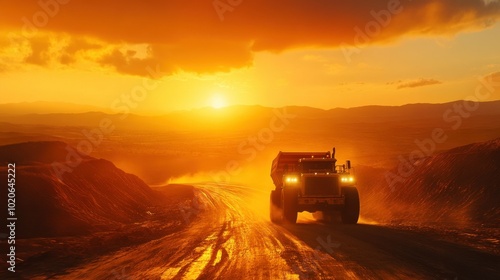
(323, 201)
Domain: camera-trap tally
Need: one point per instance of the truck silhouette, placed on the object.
(311, 181)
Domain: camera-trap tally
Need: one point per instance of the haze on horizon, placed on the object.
(184, 54)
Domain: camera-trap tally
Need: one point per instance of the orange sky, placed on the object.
(220, 52)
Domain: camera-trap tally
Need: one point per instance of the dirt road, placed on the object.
(229, 239)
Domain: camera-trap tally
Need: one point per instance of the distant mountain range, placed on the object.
(44, 107)
(233, 116)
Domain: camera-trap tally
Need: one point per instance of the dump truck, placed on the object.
(313, 182)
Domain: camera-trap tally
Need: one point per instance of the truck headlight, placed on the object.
(347, 179)
(291, 179)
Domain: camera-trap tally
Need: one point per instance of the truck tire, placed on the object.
(350, 212)
(289, 203)
(276, 198)
(274, 209)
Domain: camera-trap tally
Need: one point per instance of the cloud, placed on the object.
(415, 83)
(126, 62)
(39, 52)
(77, 47)
(189, 35)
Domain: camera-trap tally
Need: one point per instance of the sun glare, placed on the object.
(218, 101)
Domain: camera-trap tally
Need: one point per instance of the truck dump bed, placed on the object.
(288, 162)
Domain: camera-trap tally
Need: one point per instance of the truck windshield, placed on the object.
(312, 166)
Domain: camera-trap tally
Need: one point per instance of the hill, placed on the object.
(93, 195)
(458, 186)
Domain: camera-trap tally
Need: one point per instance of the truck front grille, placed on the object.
(316, 185)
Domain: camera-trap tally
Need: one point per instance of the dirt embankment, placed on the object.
(458, 187)
(56, 197)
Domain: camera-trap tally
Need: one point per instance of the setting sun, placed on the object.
(218, 101)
